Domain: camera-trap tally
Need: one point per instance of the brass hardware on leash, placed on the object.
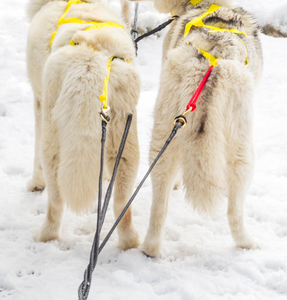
(181, 119)
(187, 111)
(104, 114)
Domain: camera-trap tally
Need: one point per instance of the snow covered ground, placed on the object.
(268, 12)
(200, 259)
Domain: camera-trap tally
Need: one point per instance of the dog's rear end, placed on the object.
(69, 92)
(214, 151)
(73, 83)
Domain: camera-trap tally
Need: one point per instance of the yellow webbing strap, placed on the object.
(195, 2)
(211, 58)
(197, 22)
(104, 96)
(65, 21)
(94, 25)
(247, 61)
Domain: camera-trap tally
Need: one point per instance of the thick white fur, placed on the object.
(214, 151)
(67, 83)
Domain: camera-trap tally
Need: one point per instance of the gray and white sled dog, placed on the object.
(214, 152)
(68, 74)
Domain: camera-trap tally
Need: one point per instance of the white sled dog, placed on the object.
(214, 151)
(68, 75)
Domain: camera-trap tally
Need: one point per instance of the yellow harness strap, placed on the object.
(197, 22)
(93, 25)
(104, 96)
(65, 21)
(96, 25)
(195, 2)
(211, 58)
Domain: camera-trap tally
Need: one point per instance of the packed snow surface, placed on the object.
(200, 261)
(268, 12)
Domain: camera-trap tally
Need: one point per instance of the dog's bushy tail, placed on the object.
(76, 114)
(205, 154)
(221, 140)
(34, 6)
(126, 13)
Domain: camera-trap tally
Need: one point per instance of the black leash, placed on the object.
(155, 30)
(134, 31)
(84, 288)
(178, 124)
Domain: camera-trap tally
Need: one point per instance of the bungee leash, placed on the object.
(153, 31)
(84, 288)
(134, 32)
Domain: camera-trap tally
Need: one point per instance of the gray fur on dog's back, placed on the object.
(68, 81)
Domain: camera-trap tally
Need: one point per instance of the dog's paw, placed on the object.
(45, 234)
(153, 250)
(248, 243)
(129, 239)
(35, 186)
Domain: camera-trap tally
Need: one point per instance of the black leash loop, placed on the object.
(155, 30)
(84, 288)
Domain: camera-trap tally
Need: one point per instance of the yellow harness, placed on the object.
(198, 22)
(93, 26)
(195, 2)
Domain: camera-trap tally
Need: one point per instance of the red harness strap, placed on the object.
(191, 106)
(194, 98)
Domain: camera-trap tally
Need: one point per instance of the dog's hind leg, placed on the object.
(124, 183)
(240, 157)
(239, 173)
(124, 93)
(163, 176)
(37, 183)
(50, 153)
(50, 158)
